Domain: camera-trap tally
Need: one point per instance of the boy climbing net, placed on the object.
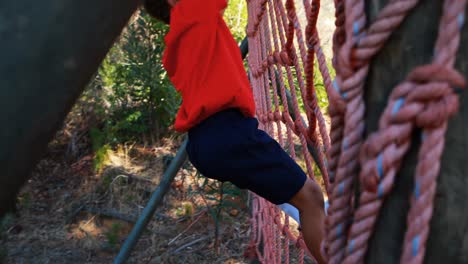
(204, 63)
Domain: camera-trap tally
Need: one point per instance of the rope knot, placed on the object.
(278, 116)
(436, 88)
(299, 126)
(263, 118)
(281, 58)
(437, 73)
(264, 66)
(285, 58)
(271, 117)
(426, 100)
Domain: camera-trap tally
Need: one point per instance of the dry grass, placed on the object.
(52, 228)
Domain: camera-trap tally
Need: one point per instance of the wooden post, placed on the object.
(48, 52)
(413, 45)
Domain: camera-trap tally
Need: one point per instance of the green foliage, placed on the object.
(317, 173)
(112, 235)
(140, 98)
(100, 148)
(320, 90)
(319, 86)
(185, 210)
(131, 98)
(236, 18)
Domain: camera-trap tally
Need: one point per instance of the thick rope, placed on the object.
(441, 79)
(348, 91)
(349, 84)
(432, 103)
(281, 61)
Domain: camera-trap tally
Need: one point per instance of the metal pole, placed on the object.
(153, 203)
(244, 47)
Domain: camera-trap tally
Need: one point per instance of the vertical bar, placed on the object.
(153, 203)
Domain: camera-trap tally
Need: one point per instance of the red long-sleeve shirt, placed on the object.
(204, 63)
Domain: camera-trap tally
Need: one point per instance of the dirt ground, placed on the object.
(69, 214)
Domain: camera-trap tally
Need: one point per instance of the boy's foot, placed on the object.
(310, 203)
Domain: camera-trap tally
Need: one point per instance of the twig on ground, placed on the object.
(132, 177)
(89, 221)
(111, 214)
(190, 244)
(188, 227)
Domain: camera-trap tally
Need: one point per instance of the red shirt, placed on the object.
(204, 63)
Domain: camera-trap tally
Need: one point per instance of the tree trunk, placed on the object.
(413, 45)
(49, 50)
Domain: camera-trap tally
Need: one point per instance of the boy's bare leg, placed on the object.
(310, 203)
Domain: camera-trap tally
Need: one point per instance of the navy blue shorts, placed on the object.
(229, 147)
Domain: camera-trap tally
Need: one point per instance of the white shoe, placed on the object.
(294, 213)
(291, 211)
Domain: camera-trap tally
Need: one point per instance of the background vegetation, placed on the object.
(110, 154)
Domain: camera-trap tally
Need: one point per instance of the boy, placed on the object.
(203, 62)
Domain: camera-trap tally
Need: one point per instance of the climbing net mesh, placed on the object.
(284, 52)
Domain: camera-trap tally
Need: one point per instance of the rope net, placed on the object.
(281, 60)
(285, 54)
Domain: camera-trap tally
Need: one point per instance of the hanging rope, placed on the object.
(282, 59)
(425, 100)
(354, 48)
